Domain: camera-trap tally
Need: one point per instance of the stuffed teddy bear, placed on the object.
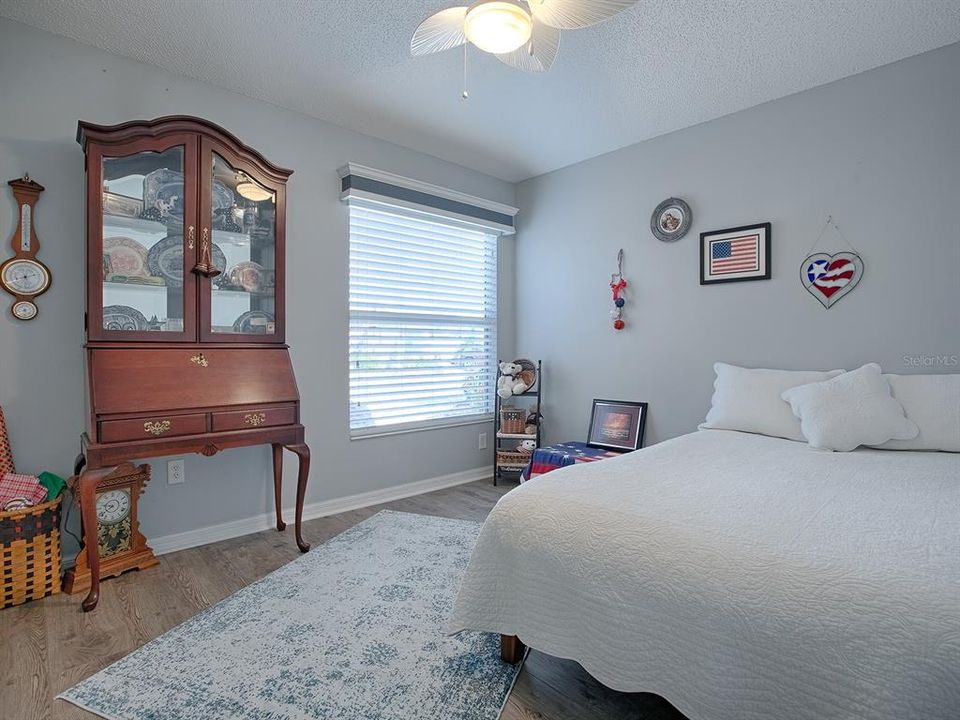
(527, 447)
(508, 383)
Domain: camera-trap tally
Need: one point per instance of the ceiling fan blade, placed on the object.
(574, 14)
(538, 54)
(439, 32)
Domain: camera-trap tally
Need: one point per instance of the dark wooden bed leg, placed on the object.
(511, 649)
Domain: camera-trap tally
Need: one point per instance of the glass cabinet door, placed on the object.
(147, 211)
(241, 212)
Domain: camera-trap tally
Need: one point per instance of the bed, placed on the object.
(737, 575)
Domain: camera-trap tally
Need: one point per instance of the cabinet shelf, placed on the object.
(162, 288)
(516, 436)
(140, 225)
(115, 282)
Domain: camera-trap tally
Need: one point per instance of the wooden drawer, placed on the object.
(260, 417)
(149, 428)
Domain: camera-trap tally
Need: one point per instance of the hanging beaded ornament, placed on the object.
(618, 285)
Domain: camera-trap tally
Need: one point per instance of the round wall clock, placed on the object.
(23, 276)
(24, 310)
(671, 220)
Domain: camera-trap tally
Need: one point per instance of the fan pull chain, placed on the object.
(465, 95)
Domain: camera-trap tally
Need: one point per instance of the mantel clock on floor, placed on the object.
(120, 544)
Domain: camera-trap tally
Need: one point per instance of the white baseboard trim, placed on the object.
(266, 521)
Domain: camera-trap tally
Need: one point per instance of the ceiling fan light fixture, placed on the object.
(498, 26)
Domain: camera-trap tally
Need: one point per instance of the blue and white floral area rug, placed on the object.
(353, 630)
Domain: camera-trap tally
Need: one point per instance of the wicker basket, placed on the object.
(29, 553)
(528, 371)
(516, 459)
(513, 420)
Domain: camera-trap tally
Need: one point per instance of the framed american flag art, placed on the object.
(735, 254)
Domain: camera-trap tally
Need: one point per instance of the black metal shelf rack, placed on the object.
(512, 471)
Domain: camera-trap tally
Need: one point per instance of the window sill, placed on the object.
(419, 427)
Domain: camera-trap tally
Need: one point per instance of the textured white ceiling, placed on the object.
(661, 66)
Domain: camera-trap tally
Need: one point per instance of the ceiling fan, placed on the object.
(522, 33)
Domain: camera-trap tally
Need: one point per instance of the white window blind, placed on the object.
(423, 321)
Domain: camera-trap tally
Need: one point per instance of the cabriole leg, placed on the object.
(87, 491)
(303, 472)
(278, 484)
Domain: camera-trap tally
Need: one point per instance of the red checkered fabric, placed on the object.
(26, 486)
(6, 455)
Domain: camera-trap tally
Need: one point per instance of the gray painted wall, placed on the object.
(47, 83)
(880, 151)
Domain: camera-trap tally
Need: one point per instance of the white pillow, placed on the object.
(749, 400)
(852, 409)
(933, 403)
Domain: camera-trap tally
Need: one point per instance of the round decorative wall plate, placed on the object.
(165, 259)
(671, 220)
(127, 257)
(124, 317)
(253, 322)
(248, 276)
(163, 194)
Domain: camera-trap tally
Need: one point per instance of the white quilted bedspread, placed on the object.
(741, 577)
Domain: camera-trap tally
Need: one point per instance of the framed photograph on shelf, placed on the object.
(617, 425)
(735, 254)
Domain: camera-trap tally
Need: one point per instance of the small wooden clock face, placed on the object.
(25, 277)
(113, 506)
(113, 520)
(24, 310)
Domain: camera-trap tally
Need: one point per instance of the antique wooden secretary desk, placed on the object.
(185, 306)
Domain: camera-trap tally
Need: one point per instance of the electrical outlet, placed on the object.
(482, 441)
(175, 472)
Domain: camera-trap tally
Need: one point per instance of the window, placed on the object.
(423, 320)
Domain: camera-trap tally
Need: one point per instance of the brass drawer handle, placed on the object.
(199, 360)
(255, 419)
(156, 428)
